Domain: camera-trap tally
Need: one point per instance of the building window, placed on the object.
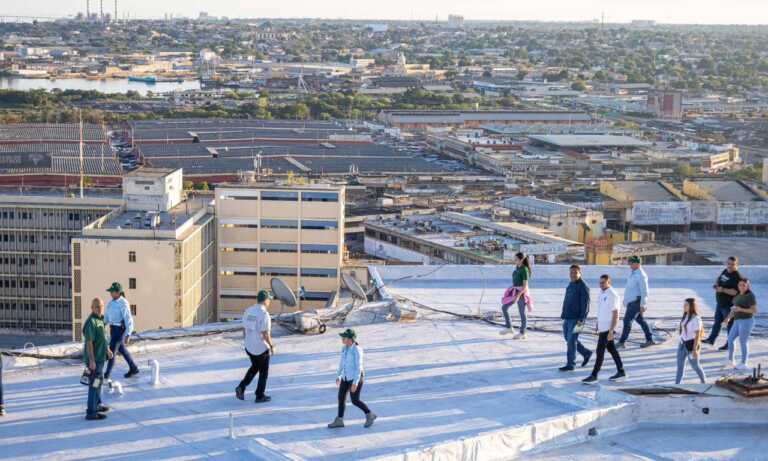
(131, 256)
(319, 197)
(132, 283)
(133, 309)
(326, 273)
(319, 225)
(278, 271)
(319, 249)
(279, 224)
(282, 196)
(279, 248)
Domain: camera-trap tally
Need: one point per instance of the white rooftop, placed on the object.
(444, 388)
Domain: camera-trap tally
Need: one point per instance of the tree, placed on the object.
(189, 185)
(202, 186)
(685, 170)
(579, 86)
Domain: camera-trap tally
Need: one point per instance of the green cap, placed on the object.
(115, 288)
(349, 334)
(634, 259)
(263, 295)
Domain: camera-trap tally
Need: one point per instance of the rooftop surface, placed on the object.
(728, 191)
(645, 191)
(443, 387)
(588, 140)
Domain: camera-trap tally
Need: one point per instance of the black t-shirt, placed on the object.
(728, 280)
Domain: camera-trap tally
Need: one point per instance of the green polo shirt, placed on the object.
(94, 330)
(520, 275)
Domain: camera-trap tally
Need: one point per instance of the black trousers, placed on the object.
(344, 388)
(260, 366)
(602, 345)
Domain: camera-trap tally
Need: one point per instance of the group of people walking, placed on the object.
(350, 375)
(736, 307)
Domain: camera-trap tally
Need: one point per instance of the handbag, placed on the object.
(85, 379)
(689, 345)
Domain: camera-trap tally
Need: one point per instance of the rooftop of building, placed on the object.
(538, 206)
(29, 196)
(645, 191)
(442, 385)
(149, 172)
(149, 224)
(728, 191)
(588, 140)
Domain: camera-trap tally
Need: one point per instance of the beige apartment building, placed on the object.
(294, 232)
(160, 246)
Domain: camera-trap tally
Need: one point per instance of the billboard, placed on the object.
(661, 213)
(15, 160)
(543, 248)
(758, 213)
(702, 211)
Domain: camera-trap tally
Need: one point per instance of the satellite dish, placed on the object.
(283, 292)
(352, 285)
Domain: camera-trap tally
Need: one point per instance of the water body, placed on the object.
(108, 86)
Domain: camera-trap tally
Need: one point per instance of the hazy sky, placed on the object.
(668, 11)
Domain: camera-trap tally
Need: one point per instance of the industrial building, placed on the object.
(456, 238)
(36, 227)
(564, 220)
(294, 232)
(160, 246)
(423, 119)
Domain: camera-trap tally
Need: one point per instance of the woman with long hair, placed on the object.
(350, 377)
(691, 330)
(743, 316)
(518, 294)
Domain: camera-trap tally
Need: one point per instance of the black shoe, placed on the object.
(591, 379)
(711, 342)
(131, 373)
(2, 411)
(724, 347)
(263, 399)
(566, 368)
(619, 375)
(95, 416)
(648, 343)
(240, 393)
(103, 409)
(586, 360)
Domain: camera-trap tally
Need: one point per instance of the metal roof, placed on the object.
(589, 140)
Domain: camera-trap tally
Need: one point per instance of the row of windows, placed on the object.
(305, 296)
(286, 196)
(31, 215)
(288, 248)
(287, 271)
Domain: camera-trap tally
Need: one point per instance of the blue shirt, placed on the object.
(351, 364)
(637, 287)
(119, 313)
(576, 301)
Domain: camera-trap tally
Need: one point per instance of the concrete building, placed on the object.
(35, 272)
(567, 221)
(164, 258)
(666, 104)
(423, 119)
(455, 21)
(456, 238)
(294, 232)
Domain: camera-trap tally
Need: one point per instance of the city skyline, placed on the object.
(753, 12)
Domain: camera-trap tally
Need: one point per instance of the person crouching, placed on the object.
(349, 379)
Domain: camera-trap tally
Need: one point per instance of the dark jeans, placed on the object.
(572, 339)
(94, 392)
(520, 310)
(117, 346)
(260, 366)
(344, 387)
(720, 314)
(633, 314)
(602, 345)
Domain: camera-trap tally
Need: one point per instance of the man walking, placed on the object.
(726, 288)
(257, 326)
(120, 322)
(94, 355)
(575, 310)
(636, 298)
(608, 306)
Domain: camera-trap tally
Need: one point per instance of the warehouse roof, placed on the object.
(645, 191)
(588, 140)
(728, 191)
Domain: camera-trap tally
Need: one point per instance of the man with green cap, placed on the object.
(95, 353)
(636, 299)
(257, 326)
(120, 321)
(349, 379)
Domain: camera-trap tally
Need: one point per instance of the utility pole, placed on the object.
(101, 7)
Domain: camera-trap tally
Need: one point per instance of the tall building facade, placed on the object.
(295, 233)
(160, 247)
(35, 270)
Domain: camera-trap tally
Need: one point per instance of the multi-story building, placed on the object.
(160, 246)
(293, 232)
(35, 272)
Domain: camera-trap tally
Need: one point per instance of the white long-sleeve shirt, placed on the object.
(637, 287)
(118, 313)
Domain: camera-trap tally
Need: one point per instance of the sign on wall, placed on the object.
(15, 160)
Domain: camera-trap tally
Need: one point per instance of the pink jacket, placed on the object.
(511, 293)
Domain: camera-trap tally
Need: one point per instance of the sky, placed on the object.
(665, 11)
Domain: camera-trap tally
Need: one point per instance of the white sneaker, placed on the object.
(520, 336)
(743, 368)
(507, 331)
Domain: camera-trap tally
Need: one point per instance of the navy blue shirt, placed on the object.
(576, 301)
